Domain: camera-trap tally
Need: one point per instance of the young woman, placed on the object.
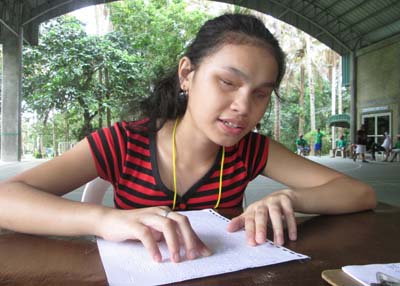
(194, 149)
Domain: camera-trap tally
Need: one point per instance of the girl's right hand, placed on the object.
(150, 225)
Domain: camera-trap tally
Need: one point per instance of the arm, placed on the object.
(30, 202)
(312, 188)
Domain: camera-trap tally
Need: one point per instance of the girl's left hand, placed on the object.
(276, 208)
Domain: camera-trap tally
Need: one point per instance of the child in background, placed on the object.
(302, 146)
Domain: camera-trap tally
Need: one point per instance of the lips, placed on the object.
(232, 124)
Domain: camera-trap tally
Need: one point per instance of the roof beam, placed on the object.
(379, 28)
(337, 18)
(373, 15)
(337, 40)
(9, 27)
(327, 9)
(45, 11)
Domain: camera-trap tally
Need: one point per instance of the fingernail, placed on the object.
(157, 257)
(176, 257)
(251, 242)
(205, 251)
(193, 254)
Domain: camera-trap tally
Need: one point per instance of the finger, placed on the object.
(169, 229)
(250, 229)
(158, 236)
(144, 234)
(261, 219)
(194, 247)
(235, 224)
(290, 219)
(277, 226)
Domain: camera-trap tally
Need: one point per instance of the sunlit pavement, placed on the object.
(383, 176)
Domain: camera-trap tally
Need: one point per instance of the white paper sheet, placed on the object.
(366, 274)
(128, 263)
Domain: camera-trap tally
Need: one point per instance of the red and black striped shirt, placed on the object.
(127, 159)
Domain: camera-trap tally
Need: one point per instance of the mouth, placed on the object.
(231, 124)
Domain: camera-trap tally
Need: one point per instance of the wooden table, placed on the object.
(330, 241)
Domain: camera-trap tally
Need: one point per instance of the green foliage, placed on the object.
(290, 111)
(76, 82)
(85, 77)
(157, 32)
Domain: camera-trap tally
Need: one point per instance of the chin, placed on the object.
(228, 142)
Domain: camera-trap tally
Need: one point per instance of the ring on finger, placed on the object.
(166, 213)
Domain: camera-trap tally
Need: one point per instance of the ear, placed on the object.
(185, 73)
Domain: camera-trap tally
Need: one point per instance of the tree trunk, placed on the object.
(55, 147)
(339, 76)
(277, 105)
(108, 95)
(87, 125)
(301, 99)
(100, 102)
(332, 68)
(310, 83)
(277, 123)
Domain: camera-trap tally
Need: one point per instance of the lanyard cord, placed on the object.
(221, 171)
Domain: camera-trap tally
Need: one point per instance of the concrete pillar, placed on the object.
(11, 98)
(353, 112)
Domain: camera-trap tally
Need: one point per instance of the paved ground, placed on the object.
(383, 176)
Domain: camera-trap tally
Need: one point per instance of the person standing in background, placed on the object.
(361, 141)
(318, 142)
(387, 145)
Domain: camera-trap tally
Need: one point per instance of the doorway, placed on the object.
(377, 124)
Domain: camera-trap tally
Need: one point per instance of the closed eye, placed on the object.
(226, 82)
(263, 94)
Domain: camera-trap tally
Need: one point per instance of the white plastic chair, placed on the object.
(94, 191)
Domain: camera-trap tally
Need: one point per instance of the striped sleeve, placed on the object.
(108, 147)
(254, 151)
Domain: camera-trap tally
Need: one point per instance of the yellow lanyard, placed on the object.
(221, 171)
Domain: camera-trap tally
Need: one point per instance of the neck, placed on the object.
(191, 144)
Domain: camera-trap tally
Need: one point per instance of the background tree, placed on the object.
(75, 82)
(157, 32)
(88, 77)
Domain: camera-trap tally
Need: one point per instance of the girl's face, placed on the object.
(229, 92)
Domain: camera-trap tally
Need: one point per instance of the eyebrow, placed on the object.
(246, 77)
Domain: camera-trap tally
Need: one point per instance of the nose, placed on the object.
(241, 103)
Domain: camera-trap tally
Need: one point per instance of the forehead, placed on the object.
(248, 58)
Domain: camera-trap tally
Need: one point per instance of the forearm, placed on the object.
(25, 209)
(341, 195)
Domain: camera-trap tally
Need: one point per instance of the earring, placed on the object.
(183, 95)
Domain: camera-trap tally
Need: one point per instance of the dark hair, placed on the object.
(166, 103)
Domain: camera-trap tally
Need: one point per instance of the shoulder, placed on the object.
(252, 137)
(120, 131)
(252, 143)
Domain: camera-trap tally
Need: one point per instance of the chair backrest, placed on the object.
(94, 191)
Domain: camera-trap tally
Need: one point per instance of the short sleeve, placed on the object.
(254, 150)
(108, 147)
